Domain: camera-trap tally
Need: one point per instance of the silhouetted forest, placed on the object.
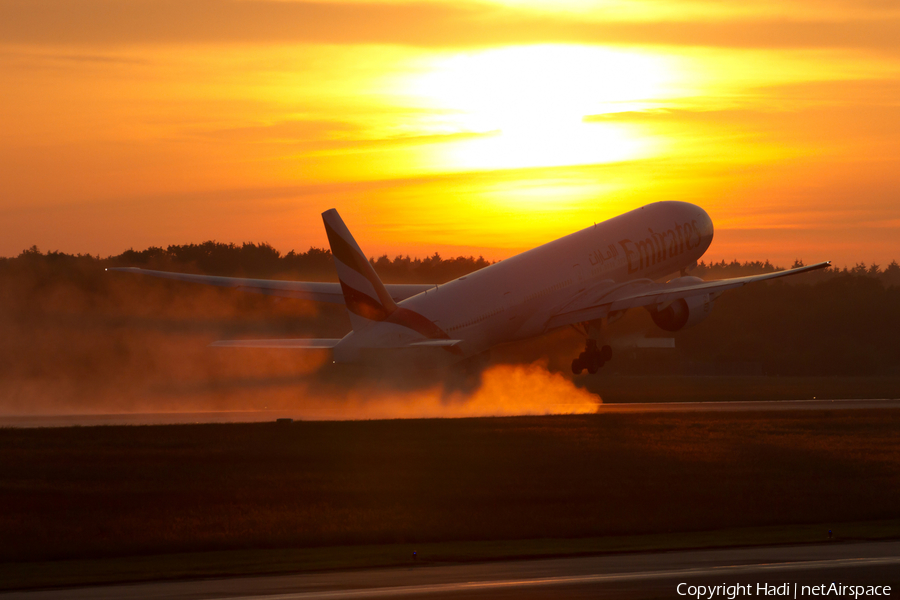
(262, 260)
(846, 325)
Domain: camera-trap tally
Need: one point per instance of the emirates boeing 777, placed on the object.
(586, 280)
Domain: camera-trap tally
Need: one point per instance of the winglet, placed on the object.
(364, 294)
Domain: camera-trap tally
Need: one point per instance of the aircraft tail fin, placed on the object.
(365, 296)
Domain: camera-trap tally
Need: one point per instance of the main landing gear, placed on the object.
(592, 358)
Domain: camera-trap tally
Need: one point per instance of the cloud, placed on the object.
(37, 60)
(322, 135)
(283, 131)
(110, 22)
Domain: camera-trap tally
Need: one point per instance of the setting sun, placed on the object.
(529, 104)
(489, 127)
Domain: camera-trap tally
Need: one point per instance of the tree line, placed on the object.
(262, 260)
(253, 260)
(848, 324)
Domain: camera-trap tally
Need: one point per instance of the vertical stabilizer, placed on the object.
(364, 294)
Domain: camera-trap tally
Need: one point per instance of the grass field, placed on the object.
(99, 492)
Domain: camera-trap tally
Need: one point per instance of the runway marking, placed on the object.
(751, 405)
(262, 416)
(439, 588)
(730, 402)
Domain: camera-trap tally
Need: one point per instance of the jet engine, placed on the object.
(684, 312)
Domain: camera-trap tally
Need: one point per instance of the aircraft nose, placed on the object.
(705, 226)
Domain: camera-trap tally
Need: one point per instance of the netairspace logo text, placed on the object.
(713, 592)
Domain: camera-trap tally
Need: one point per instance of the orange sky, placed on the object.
(459, 127)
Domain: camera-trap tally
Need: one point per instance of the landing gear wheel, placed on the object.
(606, 353)
(577, 366)
(592, 358)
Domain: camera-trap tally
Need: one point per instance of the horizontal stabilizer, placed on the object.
(437, 343)
(299, 343)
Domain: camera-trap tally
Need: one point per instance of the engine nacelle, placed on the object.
(684, 312)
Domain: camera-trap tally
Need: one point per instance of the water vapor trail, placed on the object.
(129, 345)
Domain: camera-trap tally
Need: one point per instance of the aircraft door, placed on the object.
(510, 305)
(578, 273)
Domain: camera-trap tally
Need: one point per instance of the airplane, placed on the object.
(586, 280)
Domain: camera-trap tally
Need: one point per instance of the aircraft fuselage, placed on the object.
(514, 298)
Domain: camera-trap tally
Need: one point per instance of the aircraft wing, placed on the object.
(306, 344)
(608, 297)
(319, 344)
(302, 290)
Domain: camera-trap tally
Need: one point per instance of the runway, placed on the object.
(752, 405)
(261, 416)
(632, 576)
